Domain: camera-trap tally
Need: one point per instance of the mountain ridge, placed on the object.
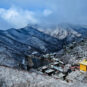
(15, 44)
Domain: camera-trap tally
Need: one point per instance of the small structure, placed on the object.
(56, 63)
(56, 59)
(83, 65)
(50, 71)
(44, 68)
(61, 62)
(57, 68)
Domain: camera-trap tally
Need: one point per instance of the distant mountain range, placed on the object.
(15, 44)
(69, 32)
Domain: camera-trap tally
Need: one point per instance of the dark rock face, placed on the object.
(15, 44)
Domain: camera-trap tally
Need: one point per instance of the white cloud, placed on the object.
(17, 17)
(47, 12)
(43, 12)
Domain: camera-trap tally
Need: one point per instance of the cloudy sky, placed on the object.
(19, 13)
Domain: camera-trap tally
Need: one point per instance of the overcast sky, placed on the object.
(19, 13)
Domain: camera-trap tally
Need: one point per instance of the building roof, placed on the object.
(84, 62)
(55, 63)
(49, 71)
(58, 68)
(44, 67)
(55, 59)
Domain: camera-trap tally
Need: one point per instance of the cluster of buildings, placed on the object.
(55, 68)
(60, 70)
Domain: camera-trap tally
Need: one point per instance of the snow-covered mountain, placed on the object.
(69, 32)
(15, 44)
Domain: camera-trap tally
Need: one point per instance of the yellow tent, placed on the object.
(83, 65)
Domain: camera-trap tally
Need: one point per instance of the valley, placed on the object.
(51, 57)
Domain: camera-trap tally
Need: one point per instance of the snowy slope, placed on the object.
(69, 32)
(15, 44)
